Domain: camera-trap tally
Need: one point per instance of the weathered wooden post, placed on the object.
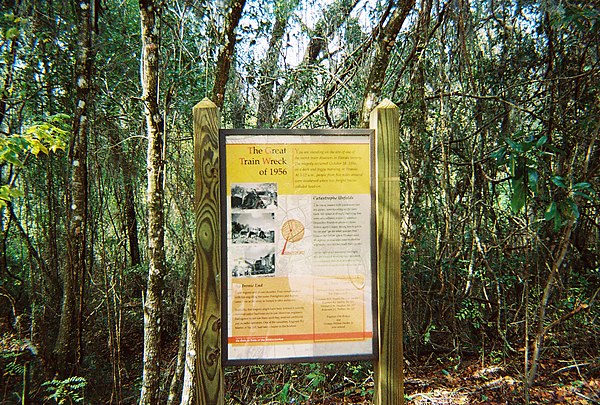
(209, 371)
(389, 377)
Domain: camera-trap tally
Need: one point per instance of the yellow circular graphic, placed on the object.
(292, 230)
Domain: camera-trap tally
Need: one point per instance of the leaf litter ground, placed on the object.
(434, 382)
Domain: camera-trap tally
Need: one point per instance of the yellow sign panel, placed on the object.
(302, 168)
(297, 280)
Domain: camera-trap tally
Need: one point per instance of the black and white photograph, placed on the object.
(253, 227)
(254, 261)
(252, 196)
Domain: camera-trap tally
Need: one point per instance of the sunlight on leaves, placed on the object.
(46, 137)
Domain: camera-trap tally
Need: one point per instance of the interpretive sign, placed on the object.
(297, 273)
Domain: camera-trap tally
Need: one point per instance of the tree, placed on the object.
(68, 343)
(225, 57)
(383, 49)
(268, 69)
(149, 13)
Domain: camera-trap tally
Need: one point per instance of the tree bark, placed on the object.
(187, 390)
(131, 215)
(189, 372)
(67, 349)
(268, 69)
(155, 202)
(181, 372)
(226, 55)
(383, 51)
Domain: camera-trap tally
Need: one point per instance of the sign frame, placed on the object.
(330, 136)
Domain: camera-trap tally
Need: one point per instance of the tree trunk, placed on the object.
(52, 255)
(131, 216)
(177, 382)
(187, 390)
(557, 262)
(268, 69)
(383, 50)
(155, 202)
(68, 343)
(226, 55)
(7, 86)
(123, 162)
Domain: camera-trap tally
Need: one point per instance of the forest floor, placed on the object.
(471, 382)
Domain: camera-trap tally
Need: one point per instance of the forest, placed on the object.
(499, 105)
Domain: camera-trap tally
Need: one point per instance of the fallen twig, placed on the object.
(595, 401)
(570, 367)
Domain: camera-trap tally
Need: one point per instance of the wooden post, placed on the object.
(389, 378)
(209, 379)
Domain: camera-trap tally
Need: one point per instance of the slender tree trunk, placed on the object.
(177, 379)
(52, 226)
(131, 217)
(52, 200)
(155, 202)
(268, 69)
(226, 55)
(187, 390)
(176, 387)
(4, 225)
(557, 262)
(68, 344)
(7, 86)
(124, 164)
(383, 50)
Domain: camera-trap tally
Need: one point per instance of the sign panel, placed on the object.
(298, 262)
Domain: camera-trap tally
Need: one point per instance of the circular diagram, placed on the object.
(292, 230)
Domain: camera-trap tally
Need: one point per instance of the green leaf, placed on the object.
(12, 33)
(533, 177)
(519, 167)
(550, 212)
(15, 192)
(499, 156)
(582, 186)
(517, 147)
(558, 220)
(559, 181)
(36, 147)
(11, 157)
(542, 141)
(574, 208)
(5, 193)
(519, 196)
(583, 195)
